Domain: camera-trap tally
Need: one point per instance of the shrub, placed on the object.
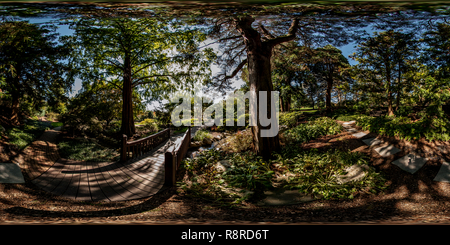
(312, 130)
(315, 173)
(249, 171)
(404, 128)
(240, 141)
(290, 119)
(150, 125)
(201, 134)
(51, 116)
(403, 111)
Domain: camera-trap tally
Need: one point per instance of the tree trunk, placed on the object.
(260, 79)
(389, 97)
(15, 109)
(399, 88)
(328, 94)
(128, 127)
(288, 103)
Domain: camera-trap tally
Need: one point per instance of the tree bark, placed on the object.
(128, 127)
(328, 93)
(399, 88)
(15, 109)
(389, 97)
(15, 99)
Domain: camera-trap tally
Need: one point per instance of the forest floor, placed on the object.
(409, 199)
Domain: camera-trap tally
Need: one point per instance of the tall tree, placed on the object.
(151, 56)
(245, 45)
(330, 65)
(382, 59)
(31, 65)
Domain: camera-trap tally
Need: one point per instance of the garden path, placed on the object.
(92, 181)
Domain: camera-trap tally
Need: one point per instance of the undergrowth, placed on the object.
(248, 176)
(316, 173)
(86, 150)
(312, 130)
(405, 128)
(24, 135)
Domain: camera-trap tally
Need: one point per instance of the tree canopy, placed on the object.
(31, 65)
(152, 56)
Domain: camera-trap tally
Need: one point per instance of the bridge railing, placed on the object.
(173, 157)
(139, 147)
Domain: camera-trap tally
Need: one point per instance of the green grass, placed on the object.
(180, 130)
(56, 124)
(85, 150)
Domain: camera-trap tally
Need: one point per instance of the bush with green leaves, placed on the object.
(201, 134)
(404, 128)
(316, 173)
(150, 125)
(238, 142)
(247, 172)
(311, 173)
(311, 130)
(289, 119)
(404, 111)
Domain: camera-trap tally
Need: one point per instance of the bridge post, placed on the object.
(123, 153)
(169, 169)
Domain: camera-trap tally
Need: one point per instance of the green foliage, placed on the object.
(405, 128)
(238, 142)
(403, 111)
(290, 118)
(93, 111)
(315, 173)
(150, 125)
(249, 171)
(200, 135)
(51, 116)
(343, 114)
(86, 150)
(31, 65)
(312, 130)
(312, 173)
(56, 124)
(24, 135)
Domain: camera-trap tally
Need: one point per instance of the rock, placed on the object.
(194, 154)
(196, 144)
(207, 141)
(222, 166)
(354, 173)
(217, 138)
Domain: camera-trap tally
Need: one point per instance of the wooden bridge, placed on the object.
(146, 166)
